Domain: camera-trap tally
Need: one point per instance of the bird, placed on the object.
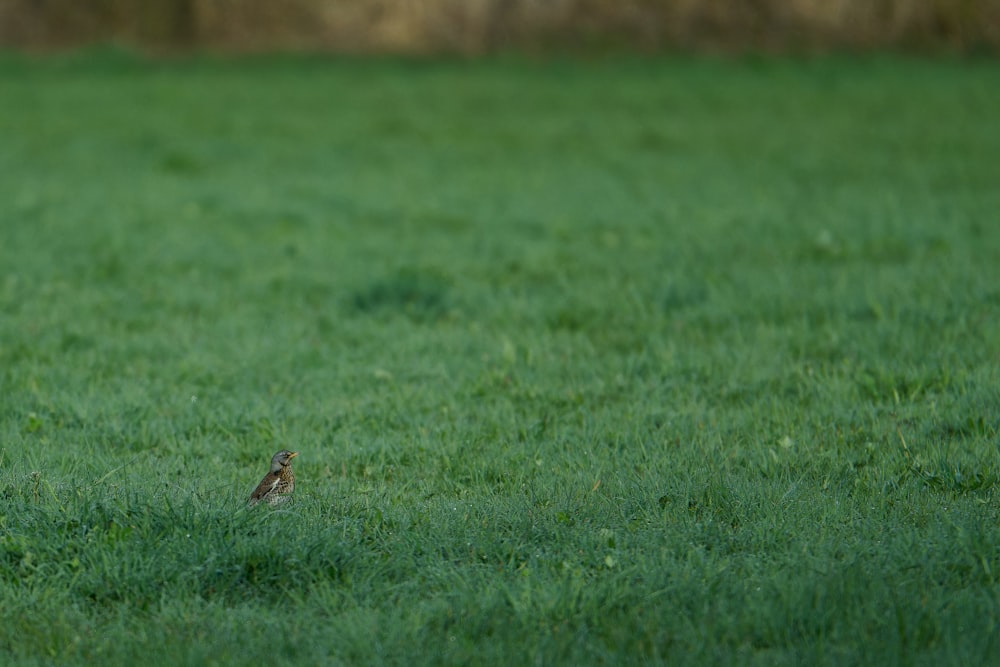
(278, 483)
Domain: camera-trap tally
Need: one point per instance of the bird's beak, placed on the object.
(292, 455)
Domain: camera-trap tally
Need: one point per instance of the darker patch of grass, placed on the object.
(681, 296)
(181, 164)
(419, 295)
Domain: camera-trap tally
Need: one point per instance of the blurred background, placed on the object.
(479, 26)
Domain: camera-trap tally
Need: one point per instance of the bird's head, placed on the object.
(282, 459)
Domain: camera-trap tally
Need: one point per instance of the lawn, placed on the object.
(588, 361)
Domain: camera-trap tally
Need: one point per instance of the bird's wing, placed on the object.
(266, 486)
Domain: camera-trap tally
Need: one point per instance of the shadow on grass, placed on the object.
(421, 296)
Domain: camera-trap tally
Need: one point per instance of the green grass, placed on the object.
(588, 362)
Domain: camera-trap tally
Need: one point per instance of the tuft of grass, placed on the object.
(588, 362)
(418, 295)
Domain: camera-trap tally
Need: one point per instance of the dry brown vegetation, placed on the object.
(474, 26)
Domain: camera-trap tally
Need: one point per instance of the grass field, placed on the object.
(589, 362)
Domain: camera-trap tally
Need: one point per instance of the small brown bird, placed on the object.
(278, 483)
